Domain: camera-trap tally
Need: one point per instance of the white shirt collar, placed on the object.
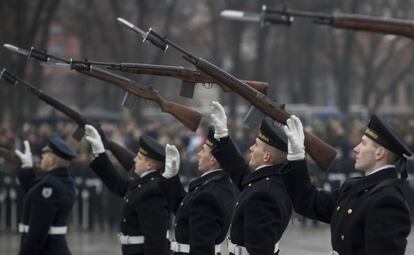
(262, 166)
(146, 173)
(211, 171)
(379, 169)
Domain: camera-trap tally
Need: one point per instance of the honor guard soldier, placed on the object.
(49, 199)
(368, 215)
(263, 208)
(145, 215)
(203, 214)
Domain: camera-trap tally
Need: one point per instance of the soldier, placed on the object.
(49, 199)
(368, 215)
(145, 216)
(263, 208)
(203, 214)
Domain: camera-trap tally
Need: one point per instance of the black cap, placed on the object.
(58, 147)
(151, 148)
(379, 131)
(271, 133)
(211, 141)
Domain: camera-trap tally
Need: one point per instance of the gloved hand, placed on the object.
(296, 138)
(219, 120)
(172, 161)
(26, 157)
(93, 137)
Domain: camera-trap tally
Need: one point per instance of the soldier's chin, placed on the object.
(251, 164)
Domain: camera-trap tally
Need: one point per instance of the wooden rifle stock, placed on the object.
(185, 74)
(10, 157)
(357, 22)
(322, 153)
(374, 24)
(189, 118)
(125, 157)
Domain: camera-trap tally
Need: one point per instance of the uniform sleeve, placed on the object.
(205, 224)
(106, 171)
(387, 227)
(26, 178)
(306, 199)
(261, 224)
(44, 206)
(231, 160)
(153, 217)
(173, 191)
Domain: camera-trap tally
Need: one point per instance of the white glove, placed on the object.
(296, 139)
(172, 161)
(219, 120)
(26, 157)
(93, 137)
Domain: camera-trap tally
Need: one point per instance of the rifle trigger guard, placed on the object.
(207, 85)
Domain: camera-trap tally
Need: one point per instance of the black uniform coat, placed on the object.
(363, 221)
(202, 216)
(48, 202)
(144, 210)
(263, 208)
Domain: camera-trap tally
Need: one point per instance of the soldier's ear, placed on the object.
(380, 152)
(267, 157)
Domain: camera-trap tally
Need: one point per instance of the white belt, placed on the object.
(123, 239)
(185, 248)
(61, 230)
(241, 250)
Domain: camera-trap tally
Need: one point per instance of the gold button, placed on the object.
(249, 184)
(124, 220)
(139, 186)
(342, 237)
(338, 208)
(267, 178)
(349, 211)
(237, 203)
(126, 200)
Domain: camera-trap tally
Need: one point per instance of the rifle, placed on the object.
(322, 153)
(188, 76)
(341, 20)
(188, 117)
(125, 157)
(10, 157)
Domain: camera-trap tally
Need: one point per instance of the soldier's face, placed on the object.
(257, 153)
(365, 155)
(204, 158)
(47, 160)
(141, 164)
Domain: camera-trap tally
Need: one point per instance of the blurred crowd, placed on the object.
(97, 208)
